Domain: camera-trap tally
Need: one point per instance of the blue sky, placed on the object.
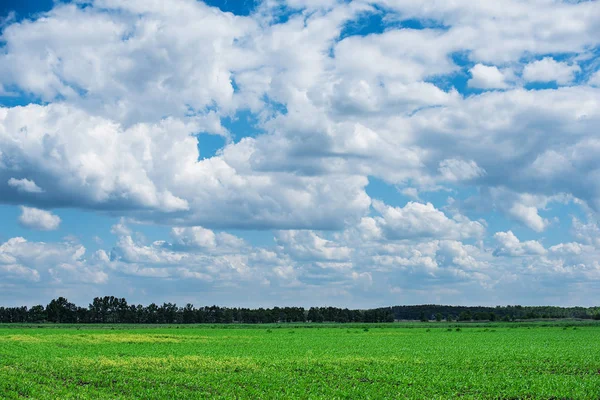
(257, 153)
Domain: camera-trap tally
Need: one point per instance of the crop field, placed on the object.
(429, 360)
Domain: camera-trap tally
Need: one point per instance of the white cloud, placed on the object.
(529, 216)
(567, 249)
(142, 58)
(417, 220)
(16, 271)
(405, 55)
(153, 169)
(307, 245)
(411, 192)
(41, 220)
(456, 253)
(48, 263)
(586, 232)
(306, 263)
(344, 120)
(487, 77)
(459, 170)
(548, 69)
(162, 259)
(594, 80)
(196, 236)
(120, 228)
(509, 245)
(507, 134)
(24, 185)
(199, 238)
(503, 32)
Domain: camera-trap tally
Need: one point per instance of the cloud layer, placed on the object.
(479, 119)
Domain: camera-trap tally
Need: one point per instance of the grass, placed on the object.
(405, 360)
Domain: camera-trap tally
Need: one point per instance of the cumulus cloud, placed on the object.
(16, 271)
(547, 69)
(307, 245)
(24, 185)
(141, 58)
(511, 142)
(48, 263)
(41, 220)
(503, 32)
(165, 260)
(487, 77)
(342, 116)
(196, 236)
(199, 238)
(529, 216)
(154, 169)
(416, 220)
(509, 245)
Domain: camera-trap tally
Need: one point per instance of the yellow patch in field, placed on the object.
(190, 363)
(129, 338)
(22, 339)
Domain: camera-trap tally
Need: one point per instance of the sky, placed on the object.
(351, 153)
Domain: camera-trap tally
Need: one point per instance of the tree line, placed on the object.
(110, 309)
(429, 312)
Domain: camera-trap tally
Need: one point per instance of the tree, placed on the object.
(37, 314)
(438, 317)
(61, 310)
(189, 317)
(465, 316)
(315, 315)
(152, 314)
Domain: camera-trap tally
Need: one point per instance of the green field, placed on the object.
(426, 360)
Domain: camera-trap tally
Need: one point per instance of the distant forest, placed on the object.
(112, 310)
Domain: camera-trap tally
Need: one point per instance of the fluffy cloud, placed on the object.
(345, 119)
(487, 77)
(194, 253)
(509, 245)
(92, 162)
(307, 245)
(507, 135)
(304, 264)
(141, 58)
(547, 69)
(199, 238)
(24, 185)
(16, 271)
(196, 237)
(503, 32)
(37, 219)
(416, 220)
(53, 264)
(529, 216)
